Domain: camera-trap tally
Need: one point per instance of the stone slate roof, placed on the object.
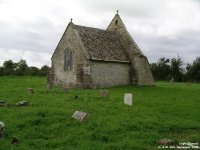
(101, 44)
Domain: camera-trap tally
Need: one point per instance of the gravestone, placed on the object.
(2, 130)
(2, 103)
(22, 103)
(166, 141)
(79, 115)
(30, 90)
(172, 80)
(103, 93)
(50, 80)
(128, 99)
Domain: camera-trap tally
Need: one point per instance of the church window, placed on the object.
(68, 60)
(116, 22)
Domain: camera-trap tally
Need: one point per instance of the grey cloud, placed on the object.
(185, 44)
(37, 36)
(40, 36)
(133, 8)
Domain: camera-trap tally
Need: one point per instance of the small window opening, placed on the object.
(116, 22)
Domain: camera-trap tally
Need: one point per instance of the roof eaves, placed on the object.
(117, 61)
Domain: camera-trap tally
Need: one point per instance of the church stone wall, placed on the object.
(141, 73)
(74, 77)
(108, 74)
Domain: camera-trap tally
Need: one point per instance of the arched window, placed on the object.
(68, 60)
(116, 22)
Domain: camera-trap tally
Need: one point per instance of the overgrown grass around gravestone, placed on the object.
(164, 111)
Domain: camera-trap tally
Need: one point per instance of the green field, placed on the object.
(164, 111)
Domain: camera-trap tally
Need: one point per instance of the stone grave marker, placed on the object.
(50, 79)
(128, 99)
(2, 130)
(172, 80)
(79, 115)
(2, 103)
(22, 103)
(103, 93)
(30, 90)
(166, 141)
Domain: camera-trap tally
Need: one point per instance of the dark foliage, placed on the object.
(193, 70)
(166, 69)
(21, 68)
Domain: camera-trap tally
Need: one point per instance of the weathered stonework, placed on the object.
(108, 74)
(100, 58)
(141, 73)
(74, 77)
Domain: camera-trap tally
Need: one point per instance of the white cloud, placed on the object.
(31, 29)
(33, 59)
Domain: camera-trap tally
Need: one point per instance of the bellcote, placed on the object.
(116, 23)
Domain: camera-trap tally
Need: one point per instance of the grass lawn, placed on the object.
(164, 111)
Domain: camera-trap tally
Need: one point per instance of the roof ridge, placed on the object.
(92, 28)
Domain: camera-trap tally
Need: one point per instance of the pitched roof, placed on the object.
(101, 44)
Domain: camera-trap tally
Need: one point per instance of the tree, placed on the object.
(176, 69)
(9, 67)
(44, 70)
(163, 68)
(33, 71)
(193, 73)
(154, 70)
(1, 71)
(22, 67)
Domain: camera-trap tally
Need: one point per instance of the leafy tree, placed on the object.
(163, 68)
(9, 67)
(44, 70)
(33, 71)
(22, 67)
(154, 70)
(1, 71)
(193, 73)
(176, 69)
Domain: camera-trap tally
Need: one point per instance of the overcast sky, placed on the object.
(31, 29)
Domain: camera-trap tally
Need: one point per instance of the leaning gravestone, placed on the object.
(2, 130)
(79, 115)
(103, 93)
(128, 99)
(30, 90)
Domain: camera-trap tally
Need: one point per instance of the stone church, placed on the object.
(89, 57)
